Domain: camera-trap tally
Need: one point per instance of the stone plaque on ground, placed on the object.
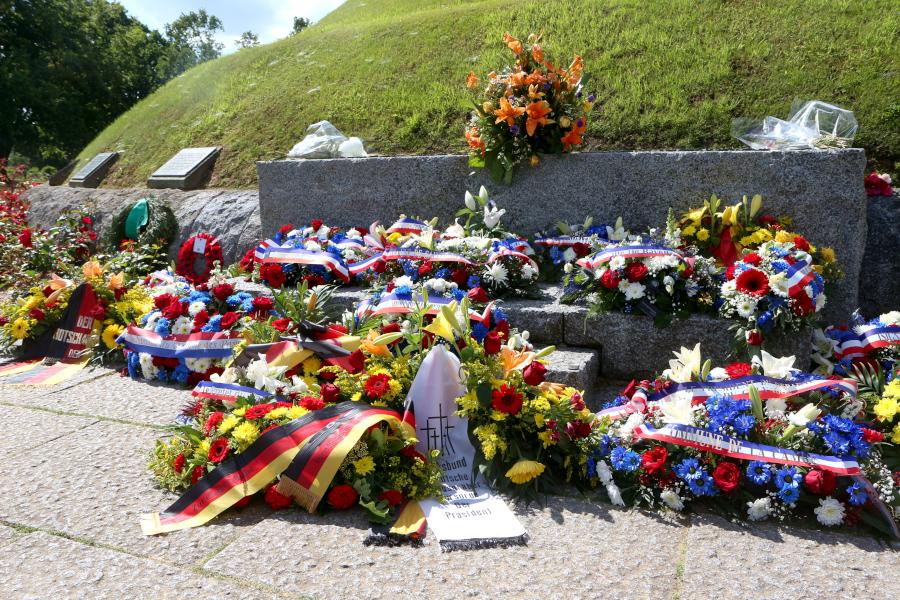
(93, 173)
(186, 170)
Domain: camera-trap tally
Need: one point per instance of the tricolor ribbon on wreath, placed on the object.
(566, 240)
(268, 253)
(392, 303)
(417, 253)
(857, 344)
(519, 253)
(637, 251)
(407, 225)
(194, 345)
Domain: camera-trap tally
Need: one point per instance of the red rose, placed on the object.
(506, 400)
(342, 496)
(311, 403)
(753, 259)
(803, 305)
(755, 337)
(286, 229)
(174, 310)
(327, 375)
(636, 271)
(212, 422)
(425, 267)
(581, 250)
(330, 393)
(258, 411)
(753, 282)
(459, 276)
(578, 429)
(281, 325)
(610, 280)
(197, 474)
(492, 343)
(178, 463)
(87, 220)
(876, 186)
(36, 314)
(165, 363)
(534, 373)
(218, 450)
(392, 497)
(222, 291)
(801, 243)
(872, 436)
(654, 460)
(248, 260)
(25, 238)
(377, 385)
(313, 280)
(738, 369)
(821, 483)
(228, 320)
(272, 274)
(727, 476)
(163, 300)
(316, 224)
(478, 294)
(276, 500)
(380, 266)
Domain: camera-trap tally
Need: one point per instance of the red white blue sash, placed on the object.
(228, 393)
(853, 345)
(407, 225)
(363, 265)
(501, 252)
(717, 443)
(627, 252)
(565, 240)
(393, 304)
(301, 256)
(417, 253)
(798, 276)
(194, 345)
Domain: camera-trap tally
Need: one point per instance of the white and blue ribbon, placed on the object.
(194, 345)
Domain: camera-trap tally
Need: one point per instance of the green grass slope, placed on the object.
(669, 74)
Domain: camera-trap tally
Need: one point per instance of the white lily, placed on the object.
(229, 375)
(456, 230)
(677, 410)
(492, 215)
(686, 364)
(471, 204)
(618, 233)
(483, 193)
(779, 368)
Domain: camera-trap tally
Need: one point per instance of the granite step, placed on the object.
(577, 367)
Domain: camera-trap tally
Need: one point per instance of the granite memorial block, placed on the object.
(186, 170)
(91, 174)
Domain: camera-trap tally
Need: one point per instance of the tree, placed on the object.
(193, 40)
(67, 69)
(248, 40)
(300, 23)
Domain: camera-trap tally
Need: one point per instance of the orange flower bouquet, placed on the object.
(533, 107)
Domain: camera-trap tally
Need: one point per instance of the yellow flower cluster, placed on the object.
(889, 405)
(490, 441)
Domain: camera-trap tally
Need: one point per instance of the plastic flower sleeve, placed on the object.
(814, 124)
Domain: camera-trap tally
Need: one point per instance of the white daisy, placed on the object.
(632, 290)
(529, 272)
(182, 326)
(496, 273)
(313, 246)
(672, 499)
(778, 283)
(830, 512)
(746, 307)
(147, 367)
(617, 262)
(195, 307)
(759, 509)
(198, 365)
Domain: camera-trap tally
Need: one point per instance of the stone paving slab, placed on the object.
(577, 549)
(40, 565)
(578, 367)
(94, 484)
(26, 429)
(725, 560)
(110, 397)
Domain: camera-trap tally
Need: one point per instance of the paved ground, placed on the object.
(73, 482)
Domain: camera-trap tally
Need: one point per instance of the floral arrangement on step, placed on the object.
(863, 346)
(531, 108)
(644, 274)
(558, 248)
(120, 302)
(879, 184)
(478, 257)
(316, 254)
(758, 440)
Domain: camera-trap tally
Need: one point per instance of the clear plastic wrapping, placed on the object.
(813, 124)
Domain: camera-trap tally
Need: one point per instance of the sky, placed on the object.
(269, 19)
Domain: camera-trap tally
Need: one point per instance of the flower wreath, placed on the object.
(186, 257)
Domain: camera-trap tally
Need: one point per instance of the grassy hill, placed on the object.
(667, 73)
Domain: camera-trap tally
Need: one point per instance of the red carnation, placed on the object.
(218, 450)
(610, 280)
(803, 305)
(281, 325)
(380, 266)
(819, 482)
(506, 400)
(459, 276)
(581, 250)
(25, 238)
(222, 291)
(425, 267)
(342, 496)
(272, 274)
(729, 272)
(392, 497)
(877, 186)
(163, 300)
(801, 243)
(174, 310)
(654, 460)
(534, 373)
(178, 463)
(197, 474)
(36, 314)
(99, 312)
(478, 294)
(276, 500)
(330, 393)
(727, 476)
(212, 422)
(316, 224)
(738, 369)
(311, 403)
(753, 259)
(636, 271)
(753, 282)
(286, 229)
(262, 305)
(492, 343)
(872, 436)
(377, 385)
(201, 319)
(228, 320)
(258, 411)
(248, 260)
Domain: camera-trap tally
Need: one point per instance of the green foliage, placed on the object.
(300, 23)
(248, 39)
(870, 379)
(192, 36)
(159, 231)
(304, 304)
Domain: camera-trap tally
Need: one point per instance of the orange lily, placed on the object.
(535, 78)
(471, 80)
(513, 44)
(533, 92)
(537, 53)
(57, 284)
(507, 112)
(556, 388)
(513, 360)
(573, 138)
(516, 79)
(537, 115)
(91, 269)
(368, 346)
(575, 69)
(116, 281)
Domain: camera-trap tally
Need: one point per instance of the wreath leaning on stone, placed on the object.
(149, 221)
(201, 245)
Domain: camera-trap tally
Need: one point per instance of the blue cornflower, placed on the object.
(788, 477)
(147, 317)
(410, 269)
(162, 375)
(162, 326)
(234, 300)
(759, 472)
(473, 282)
(744, 423)
(591, 467)
(403, 291)
(623, 459)
(858, 494)
(134, 363)
(789, 494)
(442, 273)
(181, 373)
(689, 469)
(703, 485)
(602, 449)
(458, 294)
(247, 305)
(499, 315)
(213, 325)
(479, 332)
(617, 401)
(780, 266)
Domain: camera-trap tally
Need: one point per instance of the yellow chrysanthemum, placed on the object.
(703, 235)
(496, 415)
(895, 435)
(546, 438)
(246, 433)
(394, 388)
(110, 334)
(761, 236)
(312, 365)
(893, 389)
(783, 237)
(356, 397)
(886, 408)
(32, 302)
(20, 328)
(277, 413)
(747, 240)
(689, 230)
(364, 466)
(524, 471)
(202, 450)
(240, 411)
(228, 424)
(539, 419)
(295, 412)
(468, 402)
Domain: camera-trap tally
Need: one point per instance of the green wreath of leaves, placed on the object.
(160, 229)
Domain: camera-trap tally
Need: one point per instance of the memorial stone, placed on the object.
(186, 170)
(94, 171)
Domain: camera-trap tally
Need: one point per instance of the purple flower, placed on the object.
(591, 98)
(514, 129)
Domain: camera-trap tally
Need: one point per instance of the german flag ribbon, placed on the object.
(266, 458)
